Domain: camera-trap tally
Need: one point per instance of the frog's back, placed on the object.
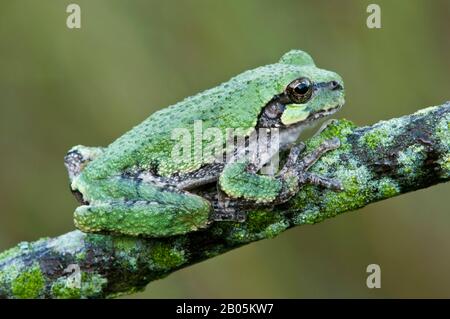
(233, 104)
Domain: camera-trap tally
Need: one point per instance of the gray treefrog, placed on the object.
(135, 187)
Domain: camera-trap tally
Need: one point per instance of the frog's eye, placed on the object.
(300, 90)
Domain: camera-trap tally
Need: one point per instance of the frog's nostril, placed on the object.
(334, 85)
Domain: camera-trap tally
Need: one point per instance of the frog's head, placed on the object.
(307, 93)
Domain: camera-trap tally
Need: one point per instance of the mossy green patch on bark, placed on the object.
(29, 284)
(87, 284)
(388, 188)
(445, 166)
(61, 289)
(81, 256)
(68, 242)
(9, 253)
(92, 284)
(258, 221)
(7, 275)
(217, 250)
(314, 204)
(411, 160)
(165, 256)
(259, 224)
(127, 249)
(97, 240)
(376, 138)
(125, 243)
(443, 134)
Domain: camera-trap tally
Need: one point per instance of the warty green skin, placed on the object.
(130, 206)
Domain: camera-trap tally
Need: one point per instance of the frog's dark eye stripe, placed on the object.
(272, 111)
(332, 85)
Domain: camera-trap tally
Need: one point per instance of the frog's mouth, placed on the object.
(79, 197)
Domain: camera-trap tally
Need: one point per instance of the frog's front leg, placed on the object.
(240, 182)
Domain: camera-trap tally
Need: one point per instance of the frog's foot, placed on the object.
(301, 167)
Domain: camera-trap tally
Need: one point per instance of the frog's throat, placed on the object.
(290, 134)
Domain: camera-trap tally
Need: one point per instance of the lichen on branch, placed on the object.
(373, 163)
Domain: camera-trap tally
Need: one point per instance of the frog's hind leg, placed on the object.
(161, 217)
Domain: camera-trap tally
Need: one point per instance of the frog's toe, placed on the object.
(309, 160)
(326, 182)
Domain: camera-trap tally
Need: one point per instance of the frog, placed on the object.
(135, 187)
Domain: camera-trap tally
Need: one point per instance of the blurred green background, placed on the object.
(62, 87)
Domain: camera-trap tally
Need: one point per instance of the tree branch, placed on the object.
(374, 163)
